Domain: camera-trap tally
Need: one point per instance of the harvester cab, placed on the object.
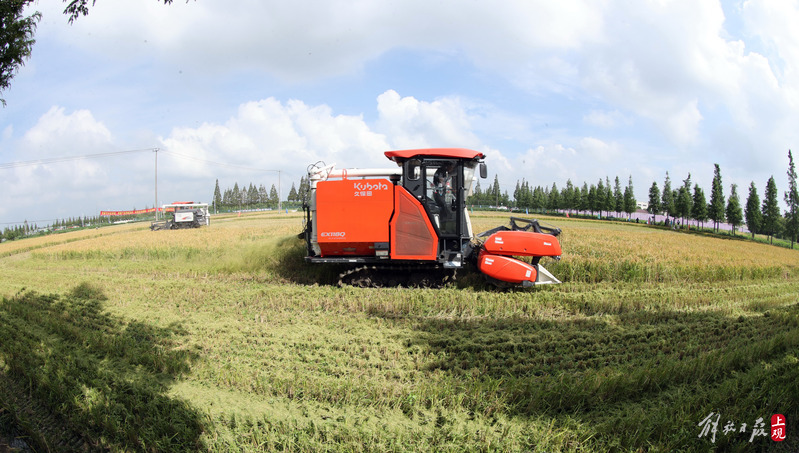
(410, 225)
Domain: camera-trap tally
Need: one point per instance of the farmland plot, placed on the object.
(222, 339)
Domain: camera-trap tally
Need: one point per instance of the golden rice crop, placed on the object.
(224, 339)
(605, 251)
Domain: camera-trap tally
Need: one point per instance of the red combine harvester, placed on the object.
(410, 225)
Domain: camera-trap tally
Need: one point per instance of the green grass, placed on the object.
(223, 339)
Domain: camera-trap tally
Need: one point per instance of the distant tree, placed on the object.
(770, 210)
(667, 199)
(716, 208)
(600, 200)
(570, 197)
(292, 197)
(495, 192)
(505, 199)
(246, 195)
(590, 199)
(304, 190)
(684, 201)
(585, 202)
(519, 194)
(554, 198)
(540, 198)
(217, 200)
(629, 198)
(654, 199)
(526, 200)
(529, 196)
(605, 197)
(754, 217)
(273, 197)
(618, 196)
(473, 199)
(236, 196)
(699, 206)
(610, 200)
(792, 200)
(262, 196)
(227, 198)
(734, 214)
(252, 195)
(243, 195)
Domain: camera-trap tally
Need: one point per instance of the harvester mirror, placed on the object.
(483, 170)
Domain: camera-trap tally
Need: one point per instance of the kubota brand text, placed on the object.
(367, 185)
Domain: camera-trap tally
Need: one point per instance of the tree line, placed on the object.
(594, 198)
(690, 203)
(31, 228)
(252, 197)
(680, 204)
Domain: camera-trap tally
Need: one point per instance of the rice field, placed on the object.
(223, 339)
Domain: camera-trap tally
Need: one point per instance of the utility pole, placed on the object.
(155, 150)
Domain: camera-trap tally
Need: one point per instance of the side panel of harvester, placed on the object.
(353, 215)
(412, 235)
(364, 217)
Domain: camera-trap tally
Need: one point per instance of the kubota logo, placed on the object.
(367, 185)
(333, 234)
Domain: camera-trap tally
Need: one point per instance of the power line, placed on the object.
(206, 161)
(53, 160)
(279, 190)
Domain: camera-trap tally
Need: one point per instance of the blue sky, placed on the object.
(550, 91)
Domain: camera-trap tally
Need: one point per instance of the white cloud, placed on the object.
(543, 165)
(410, 123)
(266, 136)
(51, 188)
(668, 62)
(269, 134)
(769, 103)
(774, 22)
(600, 151)
(665, 81)
(59, 134)
(305, 39)
(605, 119)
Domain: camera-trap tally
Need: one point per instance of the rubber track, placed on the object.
(374, 276)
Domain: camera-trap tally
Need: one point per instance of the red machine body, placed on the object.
(414, 219)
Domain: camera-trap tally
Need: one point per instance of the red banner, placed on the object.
(133, 212)
(142, 211)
